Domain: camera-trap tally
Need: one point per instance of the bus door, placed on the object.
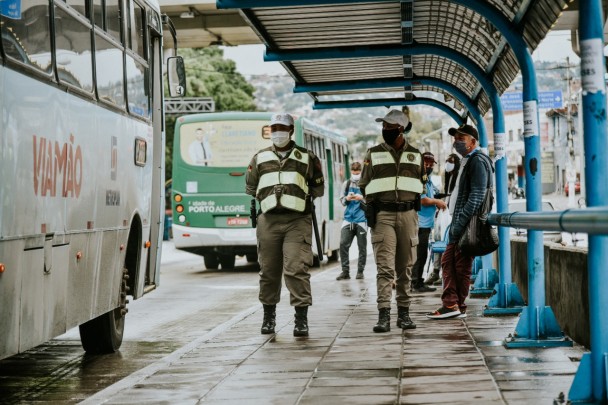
(155, 61)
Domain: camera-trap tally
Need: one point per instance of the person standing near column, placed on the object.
(284, 178)
(354, 224)
(452, 166)
(426, 221)
(474, 178)
(391, 182)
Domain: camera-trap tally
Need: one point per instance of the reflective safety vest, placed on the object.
(283, 183)
(395, 181)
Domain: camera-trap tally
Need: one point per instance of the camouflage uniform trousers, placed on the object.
(284, 249)
(394, 239)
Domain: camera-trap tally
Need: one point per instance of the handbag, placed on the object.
(480, 238)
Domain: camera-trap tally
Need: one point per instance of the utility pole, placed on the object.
(571, 169)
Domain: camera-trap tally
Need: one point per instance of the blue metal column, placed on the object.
(537, 326)
(506, 298)
(591, 381)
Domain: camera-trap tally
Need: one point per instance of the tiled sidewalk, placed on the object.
(456, 361)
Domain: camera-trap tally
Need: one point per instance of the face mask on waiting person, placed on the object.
(449, 167)
(429, 170)
(461, 148)
(355, 177)
(389, 135)
(280, 139)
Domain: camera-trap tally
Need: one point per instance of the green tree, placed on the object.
(208, 74)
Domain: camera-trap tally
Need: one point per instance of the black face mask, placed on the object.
(429, 170)
(389, 135)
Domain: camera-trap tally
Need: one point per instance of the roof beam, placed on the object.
(384, 83)
(324, 105)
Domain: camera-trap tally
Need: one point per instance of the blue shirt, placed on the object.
(353, 213)
(426, 215)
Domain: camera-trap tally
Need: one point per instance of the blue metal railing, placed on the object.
(593, 221)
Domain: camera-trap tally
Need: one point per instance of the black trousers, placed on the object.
(349, 232)
(422, 254)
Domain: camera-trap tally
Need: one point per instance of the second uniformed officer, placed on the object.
(392, 181)
(284, 178)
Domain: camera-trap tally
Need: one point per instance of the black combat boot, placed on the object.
(384, 321)
(269, 322)
(403, 318)
(301, 322)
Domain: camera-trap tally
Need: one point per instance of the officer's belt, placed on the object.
(395, 206)
(283, 210)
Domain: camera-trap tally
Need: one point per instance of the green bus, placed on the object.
(210, 209)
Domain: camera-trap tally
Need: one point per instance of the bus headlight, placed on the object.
(179, 208)
(182, 218)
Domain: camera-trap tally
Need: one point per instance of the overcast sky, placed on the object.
(250, 58)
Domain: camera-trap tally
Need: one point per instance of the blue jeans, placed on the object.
(346, 239)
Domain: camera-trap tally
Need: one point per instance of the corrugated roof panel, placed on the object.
(331, 70)
(445, 69)
(388, 24)
(327, 26)
(540, 19)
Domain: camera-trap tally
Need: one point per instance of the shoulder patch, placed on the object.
(297, 154)
(411, 157)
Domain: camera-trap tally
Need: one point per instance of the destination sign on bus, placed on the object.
(212, 207)
(237, 221)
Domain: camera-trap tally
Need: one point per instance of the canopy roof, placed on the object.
(355, 50)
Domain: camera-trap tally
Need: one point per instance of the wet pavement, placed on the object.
(456, 361)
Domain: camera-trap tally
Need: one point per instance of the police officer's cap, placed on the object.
(282, 119)
(395, 117)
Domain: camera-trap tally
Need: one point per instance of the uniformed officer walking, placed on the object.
(284, 178)
(392, 181)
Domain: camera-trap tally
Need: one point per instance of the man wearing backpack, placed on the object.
(354, 223)
(474, 178)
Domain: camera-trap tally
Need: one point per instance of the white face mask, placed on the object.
(355, 177)
(280, 139)
(449, 167)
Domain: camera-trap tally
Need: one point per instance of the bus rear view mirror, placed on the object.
(176, 73)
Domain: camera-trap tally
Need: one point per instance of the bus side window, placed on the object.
(113, 14)
(138, 90)
(135, 32)
(73, 49)
(29, 44)
(109, 69)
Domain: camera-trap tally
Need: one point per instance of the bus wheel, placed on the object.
(104, 333)
(211, 261)
(252, 257)
(227, 261)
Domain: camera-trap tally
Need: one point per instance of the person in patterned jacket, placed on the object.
(474, 178)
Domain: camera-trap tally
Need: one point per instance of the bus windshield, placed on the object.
(223, 143)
